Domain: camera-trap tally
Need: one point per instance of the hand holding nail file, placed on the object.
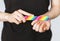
(42, 18)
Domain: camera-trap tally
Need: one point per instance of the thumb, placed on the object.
(25, 13)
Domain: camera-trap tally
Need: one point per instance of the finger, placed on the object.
(20, 16)
(15, 21)
(47, 25)
(34, 26)
(41, 29)
(37, 27)
(33, 22)
(17, 18)
(44, 27)
(25, 13)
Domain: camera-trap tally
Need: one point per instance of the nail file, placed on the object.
(42, 18)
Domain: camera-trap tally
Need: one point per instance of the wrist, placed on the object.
(6, 16)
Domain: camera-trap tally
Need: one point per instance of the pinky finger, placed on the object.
(34, 26)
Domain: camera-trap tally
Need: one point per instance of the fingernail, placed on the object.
(24, 21)
(32, 24)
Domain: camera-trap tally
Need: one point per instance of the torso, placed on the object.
(36, 7)
(23, 31)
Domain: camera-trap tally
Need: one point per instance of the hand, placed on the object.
(41, 26)
(17, 16)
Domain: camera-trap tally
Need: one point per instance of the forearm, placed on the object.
(55, 9)
(3, 16)
(54, 12)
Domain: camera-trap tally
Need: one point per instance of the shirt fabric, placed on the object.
(24, 31)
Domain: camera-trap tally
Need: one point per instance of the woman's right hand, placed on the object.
(17, 16)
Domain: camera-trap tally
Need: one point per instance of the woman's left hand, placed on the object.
(41, 26)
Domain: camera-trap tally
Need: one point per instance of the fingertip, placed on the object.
(19, 9)
(17, 23)
(23, 21)
(32, 15)
(34, 26)
(44, 29)
(33, 22)
(47, 28)
(40, 31)
(37, 28)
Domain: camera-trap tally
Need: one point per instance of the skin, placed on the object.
(52, 13)
(39, 26)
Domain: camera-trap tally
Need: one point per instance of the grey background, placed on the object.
(55, 24)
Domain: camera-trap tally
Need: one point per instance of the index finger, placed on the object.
(25, 13)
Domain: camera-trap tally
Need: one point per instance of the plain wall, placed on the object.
(55, 24)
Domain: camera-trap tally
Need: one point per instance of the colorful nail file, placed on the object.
(42, 18)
